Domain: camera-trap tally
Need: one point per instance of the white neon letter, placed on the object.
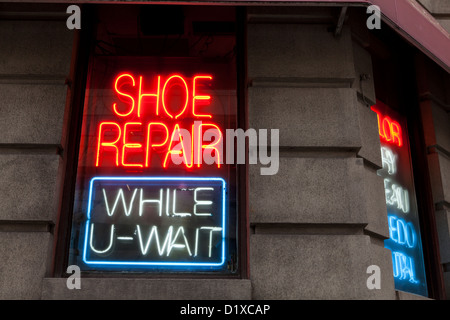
(119, 195)
(110, 240)
(179, 246)
(196, 242)
(201, 202)
(388, 159)
(184, 214)
(154, 232)
(400, 196)
(141, 202)
(212, 229)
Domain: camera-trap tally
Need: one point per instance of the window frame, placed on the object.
(77, 81)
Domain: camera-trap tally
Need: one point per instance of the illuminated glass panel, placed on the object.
(187, 215)
(152, 191)
(403, 220)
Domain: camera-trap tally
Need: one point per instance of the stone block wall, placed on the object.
(320, 222)
(35, 60)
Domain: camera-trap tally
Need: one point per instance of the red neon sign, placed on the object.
(124, 88)
(127, 137)
(389, 130)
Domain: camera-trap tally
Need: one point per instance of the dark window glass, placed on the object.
(152, 190)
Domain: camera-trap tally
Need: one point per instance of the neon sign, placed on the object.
(159, 221)
(390, 130)
(165, 137)
(153, 191)
(403, 221)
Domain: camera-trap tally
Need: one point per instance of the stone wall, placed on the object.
(320, 222)
(34, 63)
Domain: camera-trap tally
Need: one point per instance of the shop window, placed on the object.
(152, 190)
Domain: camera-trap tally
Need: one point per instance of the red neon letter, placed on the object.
(194, 97)
(379, 120)
(389, 130)
(396, 132)
(149, 135)
(141, 95)
(164, 96)
(209, 146)
(116, 88)
(386, 123)
(182, 151)
(107, 144)
(130, 145)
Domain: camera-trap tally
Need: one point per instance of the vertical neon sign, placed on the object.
(403, 220)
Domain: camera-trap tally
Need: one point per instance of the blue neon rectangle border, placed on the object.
(149, 263)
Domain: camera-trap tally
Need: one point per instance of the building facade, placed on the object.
(353, 204)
